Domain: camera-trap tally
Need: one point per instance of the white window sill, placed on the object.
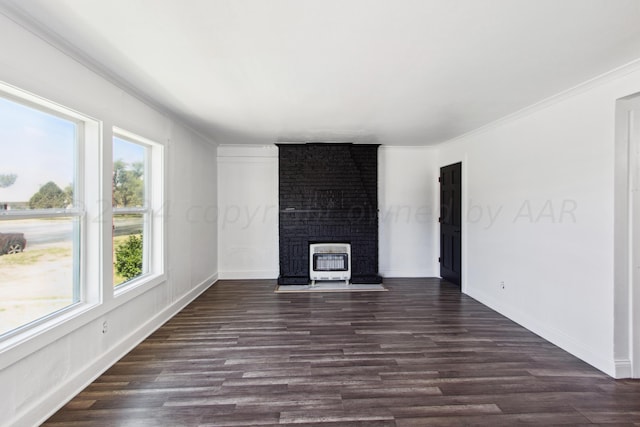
(138, 286)
(32, 338)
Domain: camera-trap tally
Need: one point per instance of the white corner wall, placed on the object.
(408, 216)
(38, 376)
(248, 212)
(539, 216)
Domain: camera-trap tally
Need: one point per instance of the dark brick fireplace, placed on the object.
(328, 193)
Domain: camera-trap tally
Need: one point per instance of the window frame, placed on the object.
(97, 295)
(152, 212)
(87, 204)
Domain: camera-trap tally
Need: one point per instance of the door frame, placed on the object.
(626, 280)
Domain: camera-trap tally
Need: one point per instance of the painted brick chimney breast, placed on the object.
(328, 193)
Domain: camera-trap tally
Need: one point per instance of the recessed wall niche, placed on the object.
(328, 193)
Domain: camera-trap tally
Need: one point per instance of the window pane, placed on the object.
(37, 269)
(128, 242)
(37, 165)
(128, 174)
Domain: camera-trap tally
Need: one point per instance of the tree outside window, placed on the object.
(40, 222)
(130, 209)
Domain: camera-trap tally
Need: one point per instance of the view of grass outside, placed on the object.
(117, 277)
(39, 213)
(39, 280)
(130, 209)
(41, 209)
(126, 228)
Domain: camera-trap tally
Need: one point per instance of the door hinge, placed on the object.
(439, 259)
(439, 179)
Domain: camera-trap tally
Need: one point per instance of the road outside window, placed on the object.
(130, 210)
(40, 213)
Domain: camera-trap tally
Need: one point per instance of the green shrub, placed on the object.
(129, 257)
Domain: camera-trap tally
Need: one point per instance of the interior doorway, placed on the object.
(451, 223)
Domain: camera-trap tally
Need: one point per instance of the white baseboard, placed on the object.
(623, 369)
(549, 333)
(407, 273)
(248, 275)
(272, 275)
(51, 401)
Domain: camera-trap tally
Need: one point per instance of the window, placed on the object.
(136, 195)
(57, 228)
(41, 211)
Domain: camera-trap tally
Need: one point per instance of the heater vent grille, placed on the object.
(330, 262)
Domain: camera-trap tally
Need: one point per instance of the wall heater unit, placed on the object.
(329, 261)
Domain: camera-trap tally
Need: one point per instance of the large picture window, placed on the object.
(41, 212)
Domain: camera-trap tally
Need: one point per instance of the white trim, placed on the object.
(86, 152)
(626, 278)
(464, 234)
(383, 147)
(130, 211)
(139, 285)
(133, 137)
(44, 331)
(634, 234)
(152, 212)
(623, 368)
(52, 400)
(547, 332)
(552, 100)
(404, 274)
(40, 213)
(15, 94)
(23, 345)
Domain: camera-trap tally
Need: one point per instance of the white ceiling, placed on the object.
(396, 72)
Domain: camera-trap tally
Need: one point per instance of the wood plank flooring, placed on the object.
(421, 354)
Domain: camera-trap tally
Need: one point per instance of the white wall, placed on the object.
(408, 218)
(538, 199)
(38, 376)
(248, 212)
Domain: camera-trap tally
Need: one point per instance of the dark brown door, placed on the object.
(451, 223)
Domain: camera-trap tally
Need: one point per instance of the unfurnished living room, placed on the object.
(319, 212)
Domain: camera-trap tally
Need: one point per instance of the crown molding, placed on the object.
(608, 76)
(12, 10)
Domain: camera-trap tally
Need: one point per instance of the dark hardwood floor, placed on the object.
(421, 354)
